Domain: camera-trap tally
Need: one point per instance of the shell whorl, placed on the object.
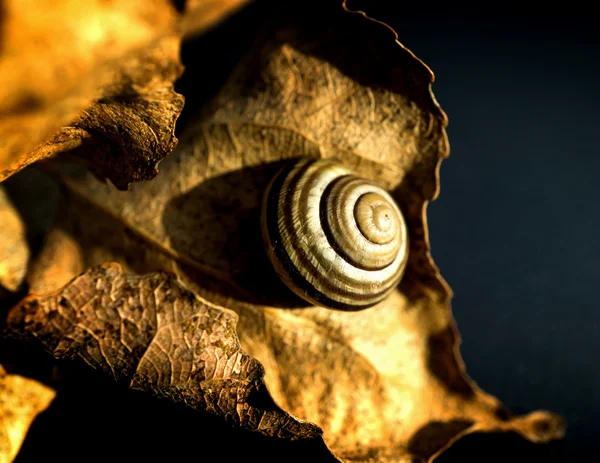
(335, 239)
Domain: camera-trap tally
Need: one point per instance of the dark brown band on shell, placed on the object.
(317, 248)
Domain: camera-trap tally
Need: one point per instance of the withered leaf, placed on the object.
(91, 78)
(384, 384)
(21, 400)
(152, 334)
(14, 250)
(94, 80)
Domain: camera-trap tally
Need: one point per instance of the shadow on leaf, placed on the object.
(91, 418)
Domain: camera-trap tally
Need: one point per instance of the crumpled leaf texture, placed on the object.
(152, 334)
(126, 132)
(93, 77)
(384, 384)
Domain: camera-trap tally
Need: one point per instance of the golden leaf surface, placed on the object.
(14, 251)
(384, 384)
(21, 400)
(92, 78)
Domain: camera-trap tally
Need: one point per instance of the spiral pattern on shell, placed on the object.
(335, 239)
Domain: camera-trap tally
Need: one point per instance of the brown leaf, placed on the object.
(94, 78)
(21, 400)
(384, 384)
(151, 333)
(14, 250)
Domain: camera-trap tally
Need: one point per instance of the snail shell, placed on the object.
(337, 240)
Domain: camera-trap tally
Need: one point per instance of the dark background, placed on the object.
(515, 230)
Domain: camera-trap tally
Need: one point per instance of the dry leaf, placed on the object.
(14, 251)
(21, 400)
(93, 78)
(384, 384)
(152, 334)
